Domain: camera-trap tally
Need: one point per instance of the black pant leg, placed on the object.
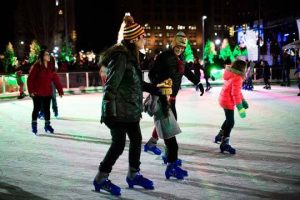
(135, 137)
(116, 148)
(172, 148)
(173, 108)
(37, 101)
(229, 114)
(46, 105)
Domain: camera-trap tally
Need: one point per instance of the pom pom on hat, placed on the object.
(128, 20)
(129, 29)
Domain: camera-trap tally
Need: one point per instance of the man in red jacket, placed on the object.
(39, 87)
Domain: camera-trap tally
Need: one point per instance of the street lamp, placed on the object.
(217, 42)
(203, 40)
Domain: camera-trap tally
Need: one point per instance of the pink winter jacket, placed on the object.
(231, 94)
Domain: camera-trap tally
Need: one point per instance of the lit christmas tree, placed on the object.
(238, 51)
(67, 53)
(10, 59)
(209, 51)
(188, 53)
(34, 51)
(225, 52)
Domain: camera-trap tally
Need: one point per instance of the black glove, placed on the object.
(201, 88)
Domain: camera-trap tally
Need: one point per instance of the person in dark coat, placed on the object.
(266, 74)
(122, 106)
(169, 64)
(286, 68)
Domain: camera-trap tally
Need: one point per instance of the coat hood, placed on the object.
(231, 73)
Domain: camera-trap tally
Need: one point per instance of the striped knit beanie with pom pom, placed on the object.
(129, 29)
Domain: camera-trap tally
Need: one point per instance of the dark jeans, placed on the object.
(38, 102)
(228, 123)
(197, 71)
(172, 149)
(286, 76)
(118, 133)
(249, 82)
(266, 80)
(207, 82)
(53, 99)
(173, 108)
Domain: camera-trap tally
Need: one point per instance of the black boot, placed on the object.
(34, 127)
(218, 137)
(226, 147)
(21, 96)
(48, 127)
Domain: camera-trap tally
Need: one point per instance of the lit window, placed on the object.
(192, 27)
(168, 27)
(147, 27)
(180, 27)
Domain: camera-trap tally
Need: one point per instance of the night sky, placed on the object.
(7, 23)
(97, 25)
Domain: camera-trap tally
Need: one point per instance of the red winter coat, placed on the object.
(231, 94)
(39, 81)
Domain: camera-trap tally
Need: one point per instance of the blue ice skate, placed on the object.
(178, 161)
(218, 137)
(34, 127)
(108, 186)
(49, 128)
(226, 147)
(154, 149)
(141, 181)
(175, 171)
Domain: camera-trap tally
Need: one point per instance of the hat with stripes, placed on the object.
(180, 39)
(132, 30)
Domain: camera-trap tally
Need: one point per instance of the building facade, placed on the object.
(164, 18)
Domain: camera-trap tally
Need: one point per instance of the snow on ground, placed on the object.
(63, 165)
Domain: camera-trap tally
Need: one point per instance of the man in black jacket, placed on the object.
(169, 64)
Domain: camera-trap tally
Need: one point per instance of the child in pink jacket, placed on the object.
(230, 97)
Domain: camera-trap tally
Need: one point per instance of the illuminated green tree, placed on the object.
(34, 51)
(226, 53)
(67, 53)
(188, 53)
(9, 58)
(209, 51)
(238, 51)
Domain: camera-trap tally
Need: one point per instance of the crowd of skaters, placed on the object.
(122, 103)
